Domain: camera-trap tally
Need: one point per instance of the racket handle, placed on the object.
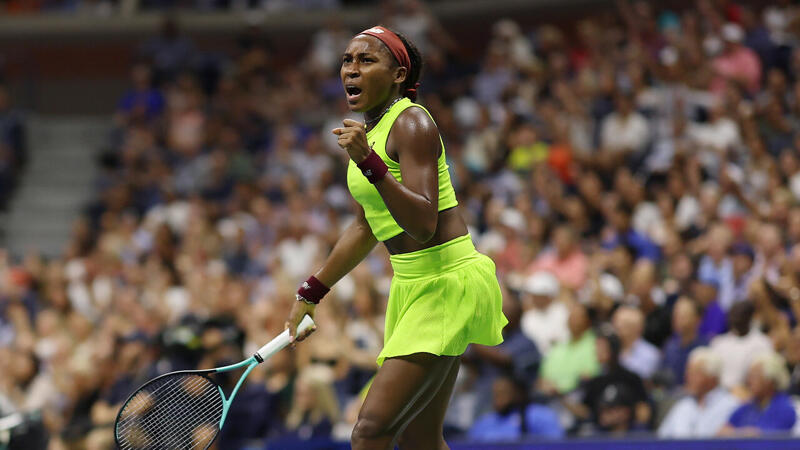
(282, 340)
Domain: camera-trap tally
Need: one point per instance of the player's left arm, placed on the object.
(414, 139)
(414, 203)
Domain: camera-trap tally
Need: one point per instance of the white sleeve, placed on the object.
(669, 426)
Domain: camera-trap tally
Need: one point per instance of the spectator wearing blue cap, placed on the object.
(705, 290)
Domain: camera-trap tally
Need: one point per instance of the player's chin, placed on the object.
(356, 103)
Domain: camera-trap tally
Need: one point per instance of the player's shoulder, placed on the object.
(415, 120)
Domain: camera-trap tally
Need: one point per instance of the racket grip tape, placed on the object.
(282, 340)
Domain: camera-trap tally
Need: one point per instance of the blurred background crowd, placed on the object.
(634, 176)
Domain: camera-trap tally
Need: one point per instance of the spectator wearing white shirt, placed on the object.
(637, 355)
(545, 318)
(739, 346)
(706, 408)
(624, 130)
(716, 137)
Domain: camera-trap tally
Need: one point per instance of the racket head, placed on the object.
(178, 410)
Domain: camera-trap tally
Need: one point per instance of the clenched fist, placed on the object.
(353, 138)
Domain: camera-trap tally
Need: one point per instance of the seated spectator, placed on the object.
(743, 262)
(616, 412)
(717, 265)
(704, 411)
(545, 318)
(364, 335)
(621, 233)
(570, 362)
(642, 292)
(511, 419)
(686, 337)
(503, 241)
(636, 354)
(740, 345)
(169, 51)
(603, 294)
(314, 408)
(624, 131)
(737, 63)
(142, 101)
(705, 290)
(612, 374)
(770, 410)
(516, 357)
(565, 259)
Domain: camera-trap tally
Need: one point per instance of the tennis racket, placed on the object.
(185, 410)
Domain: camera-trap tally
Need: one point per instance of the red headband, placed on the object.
(398, 49)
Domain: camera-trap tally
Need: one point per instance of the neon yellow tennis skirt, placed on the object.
(442, 299)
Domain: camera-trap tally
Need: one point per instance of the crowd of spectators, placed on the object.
(107, 8)
(635, 176)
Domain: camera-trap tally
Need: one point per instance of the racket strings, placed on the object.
(182, 411)
(180, 416)
(171, 410)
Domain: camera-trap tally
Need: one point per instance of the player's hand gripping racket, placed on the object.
(185, 410)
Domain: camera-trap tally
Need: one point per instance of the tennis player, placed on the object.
(444, 294)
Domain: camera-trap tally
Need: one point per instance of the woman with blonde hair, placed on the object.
(314, 408)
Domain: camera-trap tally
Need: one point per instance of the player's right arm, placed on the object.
(352, 247)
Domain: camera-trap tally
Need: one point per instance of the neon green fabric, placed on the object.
(442, 299)
(378, 216)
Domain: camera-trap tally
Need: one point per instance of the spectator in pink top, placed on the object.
(564, 259)
(737, 63)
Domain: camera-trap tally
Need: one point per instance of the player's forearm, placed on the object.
(352, 247)
(416, 214)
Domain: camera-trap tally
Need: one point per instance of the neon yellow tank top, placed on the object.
(378, 216)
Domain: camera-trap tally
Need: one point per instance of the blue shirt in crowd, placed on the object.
(640, 243)
(723, 274)
(151, 101)
(714, 321)
(540, 421)
(676, 355)
(779, 415)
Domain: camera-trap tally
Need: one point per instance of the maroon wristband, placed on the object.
(312, 290)
(373, 167)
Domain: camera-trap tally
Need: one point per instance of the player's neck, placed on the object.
(373, 116)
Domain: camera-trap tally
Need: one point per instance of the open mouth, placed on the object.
(353, 93)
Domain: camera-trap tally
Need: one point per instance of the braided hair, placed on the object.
(409, 86)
